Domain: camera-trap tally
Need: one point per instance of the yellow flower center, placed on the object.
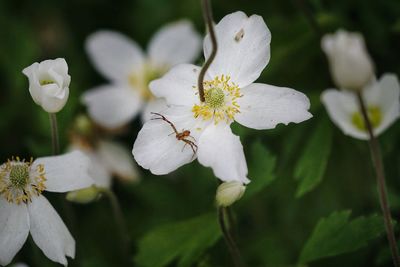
(221, 100)
(46, 82)
(18, 183)
(374, 115)
(139, 80)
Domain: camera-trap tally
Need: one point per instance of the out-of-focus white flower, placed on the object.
(229, 192)
(108, 159)
(231, 95)
(382, 101)
(24, 210)
(351, 66)
(49, 83)
(129, 71)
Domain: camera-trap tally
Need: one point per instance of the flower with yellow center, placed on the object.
(230, 95)
(383, 107)
(25, 210)
(123, 63)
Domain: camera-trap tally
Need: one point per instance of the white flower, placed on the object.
(24, 210)
(129, 71)
(49, 83)
(244, 51)
(230, 192)
(350, 64)
(382, 101)
(109, 158)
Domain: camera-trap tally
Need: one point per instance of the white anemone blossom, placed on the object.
(382, 103)
(108, 158)
(129, 70)
(230, 95)
(24, 210)
(49, 83)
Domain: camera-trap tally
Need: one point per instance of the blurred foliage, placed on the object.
(274, 228)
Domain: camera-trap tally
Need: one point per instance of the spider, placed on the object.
(181, 136)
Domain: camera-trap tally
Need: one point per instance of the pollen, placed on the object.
(20, 181)
(374, 115)
(221, 96)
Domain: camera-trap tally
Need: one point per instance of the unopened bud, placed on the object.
(229, 192)
(350, 64)
(84, 196)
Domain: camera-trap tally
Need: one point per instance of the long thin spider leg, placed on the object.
(166, 120)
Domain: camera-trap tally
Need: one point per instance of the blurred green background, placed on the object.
(273, 224)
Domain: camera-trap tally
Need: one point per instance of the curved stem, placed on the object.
(310, 17)
(119, 219)
(208, 18)
(54, 133)
(380, 176)
(233, 249)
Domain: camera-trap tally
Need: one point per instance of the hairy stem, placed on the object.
(208, 18)
(233, 249)
(54, 133)
(380, 177)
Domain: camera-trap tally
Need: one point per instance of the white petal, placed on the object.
(221, 150)
(264, 106)
(49, 231)
(118, 159)
(114, 55)
(178, 86)
(100, 174)
(385, 94)
(156, 147)
(154, 105)
(175, 43)
(19, 265)
(341, 105)
(14, 229)
(66, 172)
(243, 48)
(112, 106)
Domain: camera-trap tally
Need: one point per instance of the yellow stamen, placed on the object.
(18, 183)
(139, 80)
(221, 100)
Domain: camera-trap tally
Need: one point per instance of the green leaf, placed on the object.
(261, 169)
(311, 166)
(337, 235)
(184, 241)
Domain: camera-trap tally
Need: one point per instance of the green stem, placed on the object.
(120, 221)
(208, 18)
(54, 133)
(233, 249)
(380, 177)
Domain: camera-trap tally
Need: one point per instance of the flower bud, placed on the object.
(229, 192)
(49, 83)
(85, 195)
(350, 64)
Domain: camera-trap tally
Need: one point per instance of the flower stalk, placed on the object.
(380, 176)
(120, 221)
(208, 18)
(54, 133)
(233, 249)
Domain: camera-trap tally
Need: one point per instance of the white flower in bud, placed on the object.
(229, 192)
(49, 83)
(350, 64)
